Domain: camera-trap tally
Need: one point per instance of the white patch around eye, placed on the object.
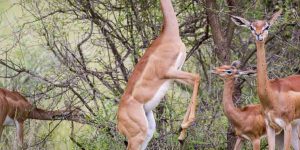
(222, 74)
(228, 72)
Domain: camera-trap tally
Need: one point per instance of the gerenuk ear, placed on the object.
(275, 16)
(240, 21)
(236, 64)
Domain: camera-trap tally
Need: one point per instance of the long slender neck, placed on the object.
(230, 110)
(262, 76)
(41, 114)
(170, 25)
(70, 115)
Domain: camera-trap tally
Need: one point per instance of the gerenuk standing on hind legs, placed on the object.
(150, 80)
(280, 98)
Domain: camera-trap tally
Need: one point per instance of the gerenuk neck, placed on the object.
(230, 110)
(170, 24)
(262, 76)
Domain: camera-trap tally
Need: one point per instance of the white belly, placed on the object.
(180, 60)
(161, 92)
(155, 100)
(8, 121)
